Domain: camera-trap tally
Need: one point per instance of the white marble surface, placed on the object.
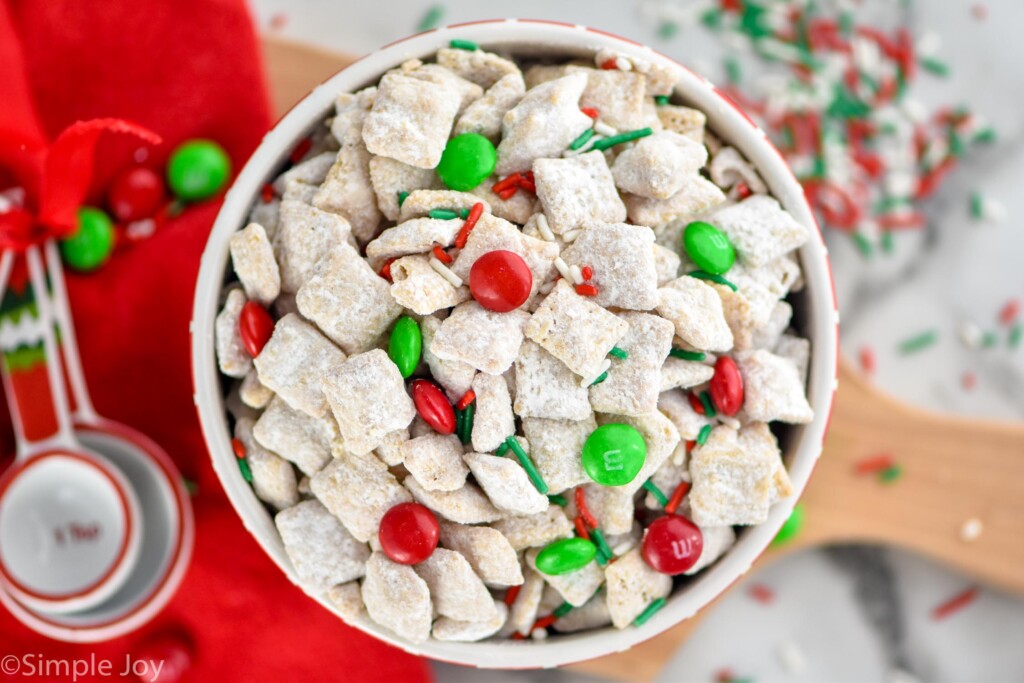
(855, 614)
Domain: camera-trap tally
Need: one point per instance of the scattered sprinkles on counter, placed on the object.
(955, 604)
(761, 593)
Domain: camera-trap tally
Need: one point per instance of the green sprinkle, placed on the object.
(602, 545)
(846, 24)
(705, 432)
(600, 378)
(621, 138)
(619, 353)
(402, 196)
(464, 214)
(862, 243)
(733, 71)
(709, 407)
(244, 466)
(702, 275)
(889, 203)
(712, 18)
(667, 30)
(687, 355)
(443, 214)
(956, 144)
(191, 486)
(559, 500)
(890, 474)
(985, 135)
(989, 339)
(467, 422)
(502, 449)
(918, 342)
(935, 66)
(1015, 336)
(460, 417)
(464, 45)
(977, 205)
(656, 492)
(527, 464)
(649, 611)
(431, 19)
(563, 609)
(661, 100)
(887, 241)
(601, 559)
(582, 139)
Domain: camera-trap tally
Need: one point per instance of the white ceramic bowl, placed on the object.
(816, 316)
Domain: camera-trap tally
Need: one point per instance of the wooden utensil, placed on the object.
(954, 469)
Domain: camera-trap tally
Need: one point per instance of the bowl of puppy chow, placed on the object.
(514, 343)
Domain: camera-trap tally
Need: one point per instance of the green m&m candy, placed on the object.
(565, 555)
(405, 345)
(90, 246)
(467, 161)
(708, 247)
(198, 169)
(791, 529)
(613, 454)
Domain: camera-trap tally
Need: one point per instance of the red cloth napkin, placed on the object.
(185, 69)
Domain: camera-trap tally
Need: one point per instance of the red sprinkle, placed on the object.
(592, 112)
(931, 180)
(467, 227)
(300, 150)
(910, 220)
(762, 593)
(969, 380)
(518, 636)
(695, 403)
(511, 594)
(875, 463)
(507, 182)
(508, 193)
(581, 528)
(723, 676)
(267, 193)
(239, 448)
(955, 603)
(979, 11)
(677, 496)
(1008, 314)
(587, 271)
(867, 359)
(690, 445)
(583, 510)
(544, 622)
(742, 191)
(385, 270)
(586, 290)
(609, 64)
(528, 183)
(442, 255)
(466, 399)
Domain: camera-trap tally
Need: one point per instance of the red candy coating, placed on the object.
(255, 325)
(433, 406)
(408, 533)
(135, 193)
(500, 281)
(727, 386)
(672, 544)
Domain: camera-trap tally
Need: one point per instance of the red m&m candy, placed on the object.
(136, 193)
(672, 544)
(500, 281)
(255, 325)
(408, 533)
(727, 386)
(433, 406)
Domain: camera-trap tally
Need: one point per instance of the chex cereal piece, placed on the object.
(545, 387)
(660, 436)
(676, 407)
(268, 215)
(390, 449)
(760, 229)
(397, 598)
(493, 420)
(575, 587)
(612, 505)
(634, 382)
(739, 315)
(618, 95)
(232, 358)
(660, 78)
(555, 447)
(285, 304)
(734, 477)
(658, 165)
(470, 631)
(773, 388)
(798, 350)
(677, 372)
(311, 171)
(304, 237)
(767, 336)
(493, 234)
(543, 73)
(420, 288)
(389, 177)
(697, 196)
(321, 550)
(235, 406)
(467, 91)
(435, 461)
(304, 440)
(524, 609)
(253, 259)
(666, 264)
(253, 393)
(347, 600)
(467, 505)
(592, 614)
(575, 330)
(488, 552)
(728, 168)
(294, 362)
(410, 120)
(358, 490)
(350, 112)
(632, 586)
(622, 258)
(695, 309)
(535, 530)
(294, 191)
(506, 483)
(347, 190)
(348, 301)
(455, 376)
(683, 120)
(486, 340)
(416, 236)
(543, 124)
(717, 539)
(478, 66)
(518, 208)
(368, 399)
(455, 589)
(484, 116)
(578, 191)
(273, 478)
(420, 203)
(779, 276)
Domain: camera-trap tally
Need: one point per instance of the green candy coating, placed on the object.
(198, 169)
(90, 246)
(614, 454)
(467, 161)
(792, 527)
(405, 345)
(708, 247)
(565, 555)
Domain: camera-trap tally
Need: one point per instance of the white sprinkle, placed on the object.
(539, 634)
(991, 210)
(971, 335)
(623, 64)
(444, 272)
(729, 421)
(792, 657)
(914, 110)
(587, 381)
(604, 129)
(577, 274)
(929, 44)
(544, 229)
(569, 153)
(971, 529)
(546, 288)
(563, 268)
(137, 230)
(571, 235)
